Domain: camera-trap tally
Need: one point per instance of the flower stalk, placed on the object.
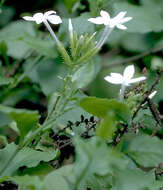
(104, 37)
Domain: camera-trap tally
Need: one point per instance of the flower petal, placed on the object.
(137, 80)
(117, 76)
(28, 18)
(105, 16)
(152, 94)
(121, 26)
(54, 19)
(48, 13)
(113, 80)
(126, 19)
(129, 72)
(38, 17)
(97, 20)
(117, 19)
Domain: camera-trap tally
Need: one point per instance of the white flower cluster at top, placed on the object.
(110, 23)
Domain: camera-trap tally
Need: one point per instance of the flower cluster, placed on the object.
(117, 21)
(110, 23)
(42, 17)
(125, 80)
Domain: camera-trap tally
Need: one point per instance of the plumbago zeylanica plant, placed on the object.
(109, 148)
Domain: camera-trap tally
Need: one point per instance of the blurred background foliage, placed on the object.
(31, 66)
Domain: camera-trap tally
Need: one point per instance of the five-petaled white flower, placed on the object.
(42, 17)
(126, 79)
(117, 21)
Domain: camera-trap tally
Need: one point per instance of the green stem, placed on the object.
(60, 46)
(57, 111)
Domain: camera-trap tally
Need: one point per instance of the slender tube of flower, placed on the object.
(104, 37)
(61, 47)
(122, 91)
(51, 31)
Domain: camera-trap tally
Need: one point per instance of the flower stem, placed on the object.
(105, 35)
(122, 91)
(60, 46)
(51, 32)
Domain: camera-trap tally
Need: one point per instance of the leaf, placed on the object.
(84, 75)
(42, 46)
(11, 158)
(11, 34)
(5, 119)
(156, 185)
(26, 120)
(46, 74)
(144, 18)
(107, 127)
(29, 182)
(93, 156)
(132, 179)
(6, 81)
(69, 4)
(97, 5)
(58, 179)
(100, 107)
(146, 150)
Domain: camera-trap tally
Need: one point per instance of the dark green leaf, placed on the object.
(100, 107)
(11, 158)
(146, 150)
(26, 120)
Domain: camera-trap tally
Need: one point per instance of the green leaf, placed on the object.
(69, 4)
(156, 185)
(58, 179)
(6, 81)
(11, 158)
(144, 17)
(97, 5)
(132, 179)
(5, 119)
(11, 34)
(7, 13)
(107, 127)
(47, 73)
(26, 120)
(146, 150)
(100, 108)
(29, 182)
(84, 75)
(42, 46)
(94, 157)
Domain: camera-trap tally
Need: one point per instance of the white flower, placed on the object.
(42, 17)
(126, 79)
(117, 21)
(152, 94)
